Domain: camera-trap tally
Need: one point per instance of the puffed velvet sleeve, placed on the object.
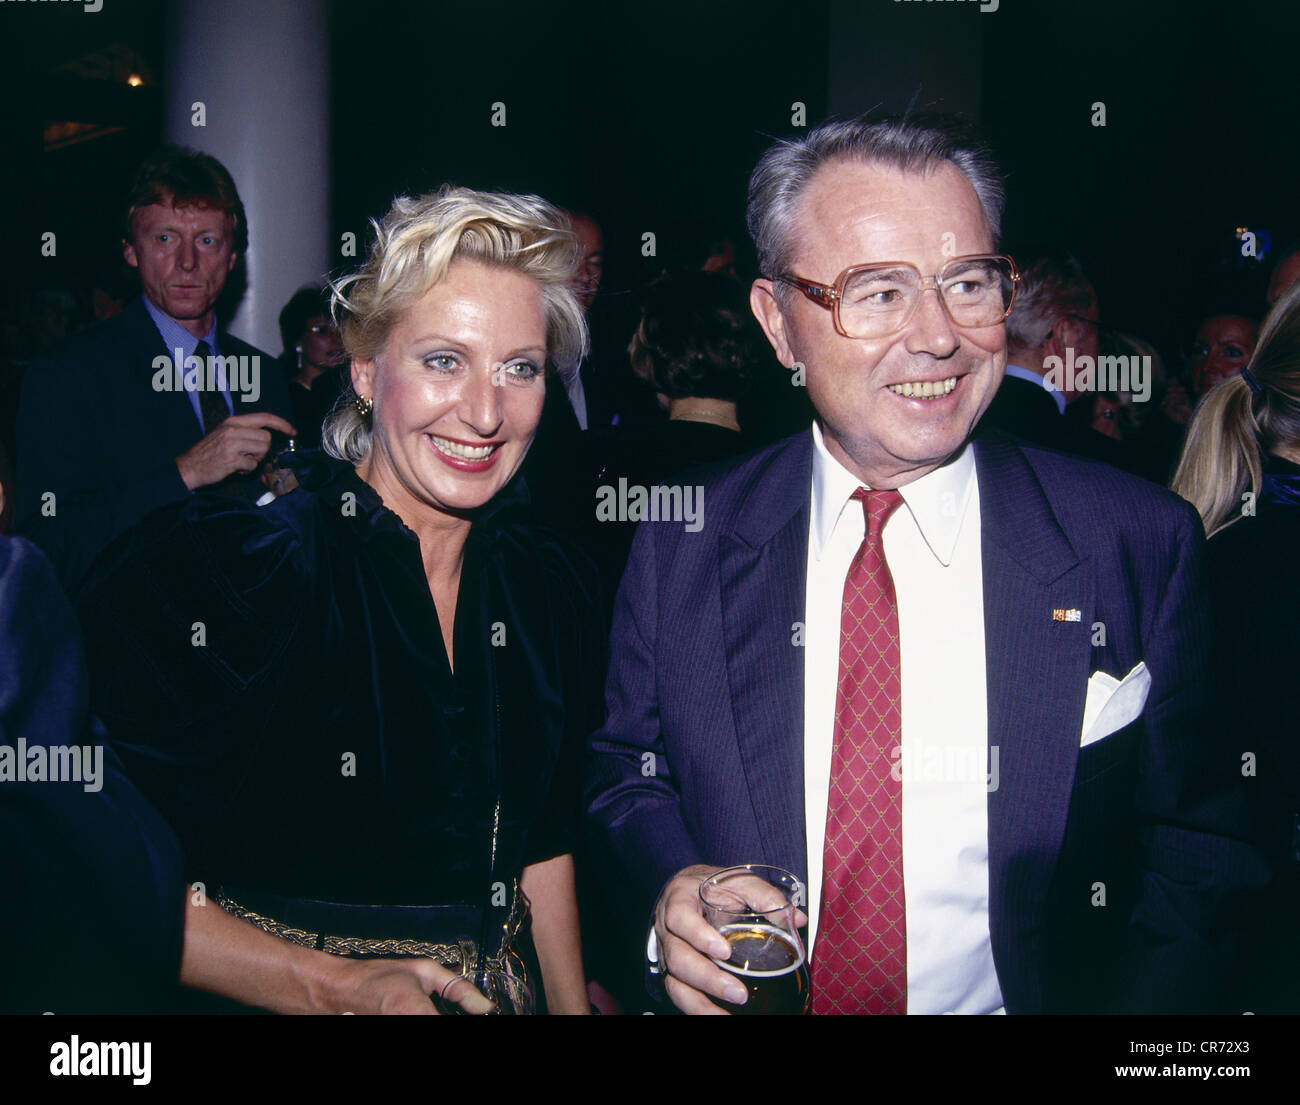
(579, 621)
(188, 622)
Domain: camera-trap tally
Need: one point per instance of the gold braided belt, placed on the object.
(460, 956)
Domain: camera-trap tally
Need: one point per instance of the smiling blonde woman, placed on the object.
(373, 750)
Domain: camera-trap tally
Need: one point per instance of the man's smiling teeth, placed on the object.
(462, 452)
(925, 389)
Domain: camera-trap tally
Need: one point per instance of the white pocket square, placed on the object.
(1113, 703)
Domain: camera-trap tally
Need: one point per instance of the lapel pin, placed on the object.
(1059, 615)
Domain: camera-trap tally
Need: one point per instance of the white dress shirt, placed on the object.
(932, 546)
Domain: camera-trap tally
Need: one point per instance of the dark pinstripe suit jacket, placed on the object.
(701, 759)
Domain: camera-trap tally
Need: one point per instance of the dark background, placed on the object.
(652, 118)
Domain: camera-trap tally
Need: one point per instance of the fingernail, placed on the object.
(736, 994)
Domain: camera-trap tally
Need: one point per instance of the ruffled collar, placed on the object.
(326, 476)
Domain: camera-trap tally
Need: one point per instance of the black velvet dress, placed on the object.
(275, 680)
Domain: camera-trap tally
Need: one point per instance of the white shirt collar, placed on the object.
(937, 501)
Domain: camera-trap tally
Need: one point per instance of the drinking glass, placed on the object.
(753, 907)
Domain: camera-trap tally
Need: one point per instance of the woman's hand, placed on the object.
(224, 955)
(405, 986)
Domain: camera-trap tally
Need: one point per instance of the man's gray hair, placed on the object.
(913, 143)
(1052, 286)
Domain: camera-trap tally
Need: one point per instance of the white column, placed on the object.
(260, 69)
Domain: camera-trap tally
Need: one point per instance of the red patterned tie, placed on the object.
(860, 962)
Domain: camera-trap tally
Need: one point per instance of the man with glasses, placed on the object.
(958, 689)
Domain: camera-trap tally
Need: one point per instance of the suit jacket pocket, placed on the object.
(1110, 752)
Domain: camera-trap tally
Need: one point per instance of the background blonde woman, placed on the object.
(1241, 469)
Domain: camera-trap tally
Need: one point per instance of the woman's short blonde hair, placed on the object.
(415, 244)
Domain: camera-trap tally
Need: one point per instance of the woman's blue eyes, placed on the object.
(525, 370)
(520, 370)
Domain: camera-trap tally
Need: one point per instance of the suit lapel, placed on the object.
(1037, 672)
(762, 568)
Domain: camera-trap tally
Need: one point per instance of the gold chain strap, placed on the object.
(459, 956)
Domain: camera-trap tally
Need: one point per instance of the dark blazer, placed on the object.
(1026, 410)
(559, 468)
(92, 430)
(701, 761)
(1257, 630)
(93, 899)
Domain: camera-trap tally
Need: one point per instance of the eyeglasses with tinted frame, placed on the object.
(875, 300)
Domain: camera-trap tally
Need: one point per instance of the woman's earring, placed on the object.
(364, 406)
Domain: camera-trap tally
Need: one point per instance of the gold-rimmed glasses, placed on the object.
(875, 300)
